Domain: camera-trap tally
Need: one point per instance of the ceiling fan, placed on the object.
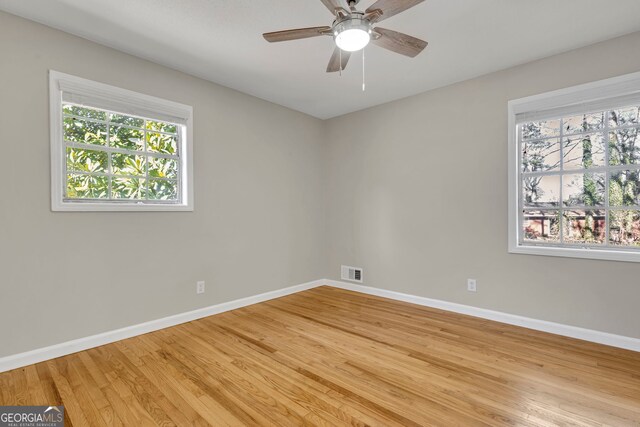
(352, 30)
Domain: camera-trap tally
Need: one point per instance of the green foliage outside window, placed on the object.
(142, 166)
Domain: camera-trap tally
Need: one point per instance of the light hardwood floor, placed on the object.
(334, 357)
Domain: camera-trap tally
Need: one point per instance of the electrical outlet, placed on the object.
(471, 285)
(200, 287)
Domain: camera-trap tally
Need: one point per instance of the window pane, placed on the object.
(566, 181)
(125, 164)
(84, 111)
(161, 127)
(624, 116)
(624, 145)
(583, 227)
(87, 160)
(541, 226)
(583, 123)
(128, 188)
(541, 191)
(163, 189)
(541, 155)
(536, 130)
(162, 143)
(130, 139)
(126, 120)
(584, 151)
(163, 168)
(87, 187)
(624, 227)
(624, 188)
(88, 132)
(583, 189)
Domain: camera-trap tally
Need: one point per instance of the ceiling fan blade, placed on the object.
(391, 7)
(332, 5)
(398, 42)
(334, 62)
(298, 33)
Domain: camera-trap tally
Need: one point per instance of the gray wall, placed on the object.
(417, 195)
(257, 224)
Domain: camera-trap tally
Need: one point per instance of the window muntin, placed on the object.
(579, 180)
(118, 157)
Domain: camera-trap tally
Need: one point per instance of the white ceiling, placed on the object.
(220, 40)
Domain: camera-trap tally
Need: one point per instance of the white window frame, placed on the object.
(626, 86)
(103, 96)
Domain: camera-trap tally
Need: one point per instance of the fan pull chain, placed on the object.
(340, 66)
(363, 86)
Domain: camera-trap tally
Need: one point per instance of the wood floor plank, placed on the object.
(34, 386)
(74, 409)
(330, 357)
(68, 368)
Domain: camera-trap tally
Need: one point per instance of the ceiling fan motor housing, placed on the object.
(352, 33)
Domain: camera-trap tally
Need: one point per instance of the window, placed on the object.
(113, 149)
(574, 185)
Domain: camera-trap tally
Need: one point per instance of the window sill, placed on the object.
(119, 207)
(584, 253)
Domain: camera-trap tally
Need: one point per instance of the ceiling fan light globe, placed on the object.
(352, 39)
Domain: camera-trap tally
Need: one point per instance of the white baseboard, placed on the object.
(46, 353)
(511, 319)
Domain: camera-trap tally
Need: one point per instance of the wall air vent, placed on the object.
(353, 274)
